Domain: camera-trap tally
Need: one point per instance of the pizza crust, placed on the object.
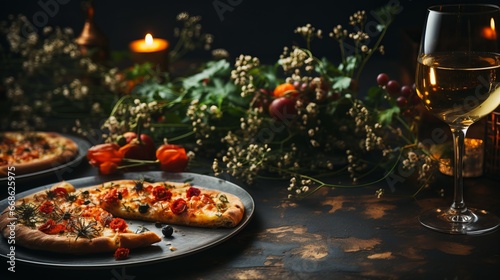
(37, 240)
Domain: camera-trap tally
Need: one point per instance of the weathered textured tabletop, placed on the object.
(334, 234)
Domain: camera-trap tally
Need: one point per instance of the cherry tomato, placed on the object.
(192, 191)
(118, 224)
(173, 158)
(161, 193)
(283, 108)
(178, 206)
(59, 192)
(112, 196)
(121, 253)
(51, 227)
(47, 207)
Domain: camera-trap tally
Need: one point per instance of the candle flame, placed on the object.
(490, 32)
(148, 39)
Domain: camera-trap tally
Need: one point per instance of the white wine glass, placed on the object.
(458, 81)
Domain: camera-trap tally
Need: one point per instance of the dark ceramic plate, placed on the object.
(83, 147)
(185, 240)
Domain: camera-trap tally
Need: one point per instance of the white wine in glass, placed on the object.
(458, 81)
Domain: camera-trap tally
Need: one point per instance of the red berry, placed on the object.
(393, 87)
(406, 90)
(401, 101)
(382, 79)
(282, 108)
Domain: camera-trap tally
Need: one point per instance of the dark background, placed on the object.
(256, 27)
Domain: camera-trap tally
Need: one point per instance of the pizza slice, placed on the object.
(65, 220)
(172, 203)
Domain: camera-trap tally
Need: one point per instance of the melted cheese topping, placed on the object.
(142, 204)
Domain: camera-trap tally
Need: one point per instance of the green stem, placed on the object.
(136, 163)
(322, 184)
(375, 47)
(118, 103)
(181, 136)
(142, 161)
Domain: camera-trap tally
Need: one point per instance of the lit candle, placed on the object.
(490, 32)
(149, 49)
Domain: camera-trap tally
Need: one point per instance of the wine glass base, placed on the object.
(473, 221)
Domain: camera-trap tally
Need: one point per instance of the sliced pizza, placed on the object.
(93, 219)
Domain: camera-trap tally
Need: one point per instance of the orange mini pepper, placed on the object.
(107, 152)
(173, 158)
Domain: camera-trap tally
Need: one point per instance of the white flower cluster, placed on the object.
(424, 164)
(75, 90)
(198, 115)
(360, 114)
(128, 116)
(308, 31)
(295, 59)
(299, 185)
(242, 161)
(46, 73)
(190, 36)
(240, 75)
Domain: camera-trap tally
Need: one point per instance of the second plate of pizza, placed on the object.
(184, 240)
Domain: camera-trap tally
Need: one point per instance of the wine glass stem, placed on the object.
(458, 205)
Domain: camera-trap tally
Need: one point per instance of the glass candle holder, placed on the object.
(492, 145)
(472, 162)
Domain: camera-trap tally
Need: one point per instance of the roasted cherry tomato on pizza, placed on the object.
(118, 224)
(178, 206)
(121, 253)
(173, 158)
(51, 227)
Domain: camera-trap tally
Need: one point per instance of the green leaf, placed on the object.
(327, 69)
(375, 97)
(213, 68)
(341, 83)
(151, 90)
(385, 116)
